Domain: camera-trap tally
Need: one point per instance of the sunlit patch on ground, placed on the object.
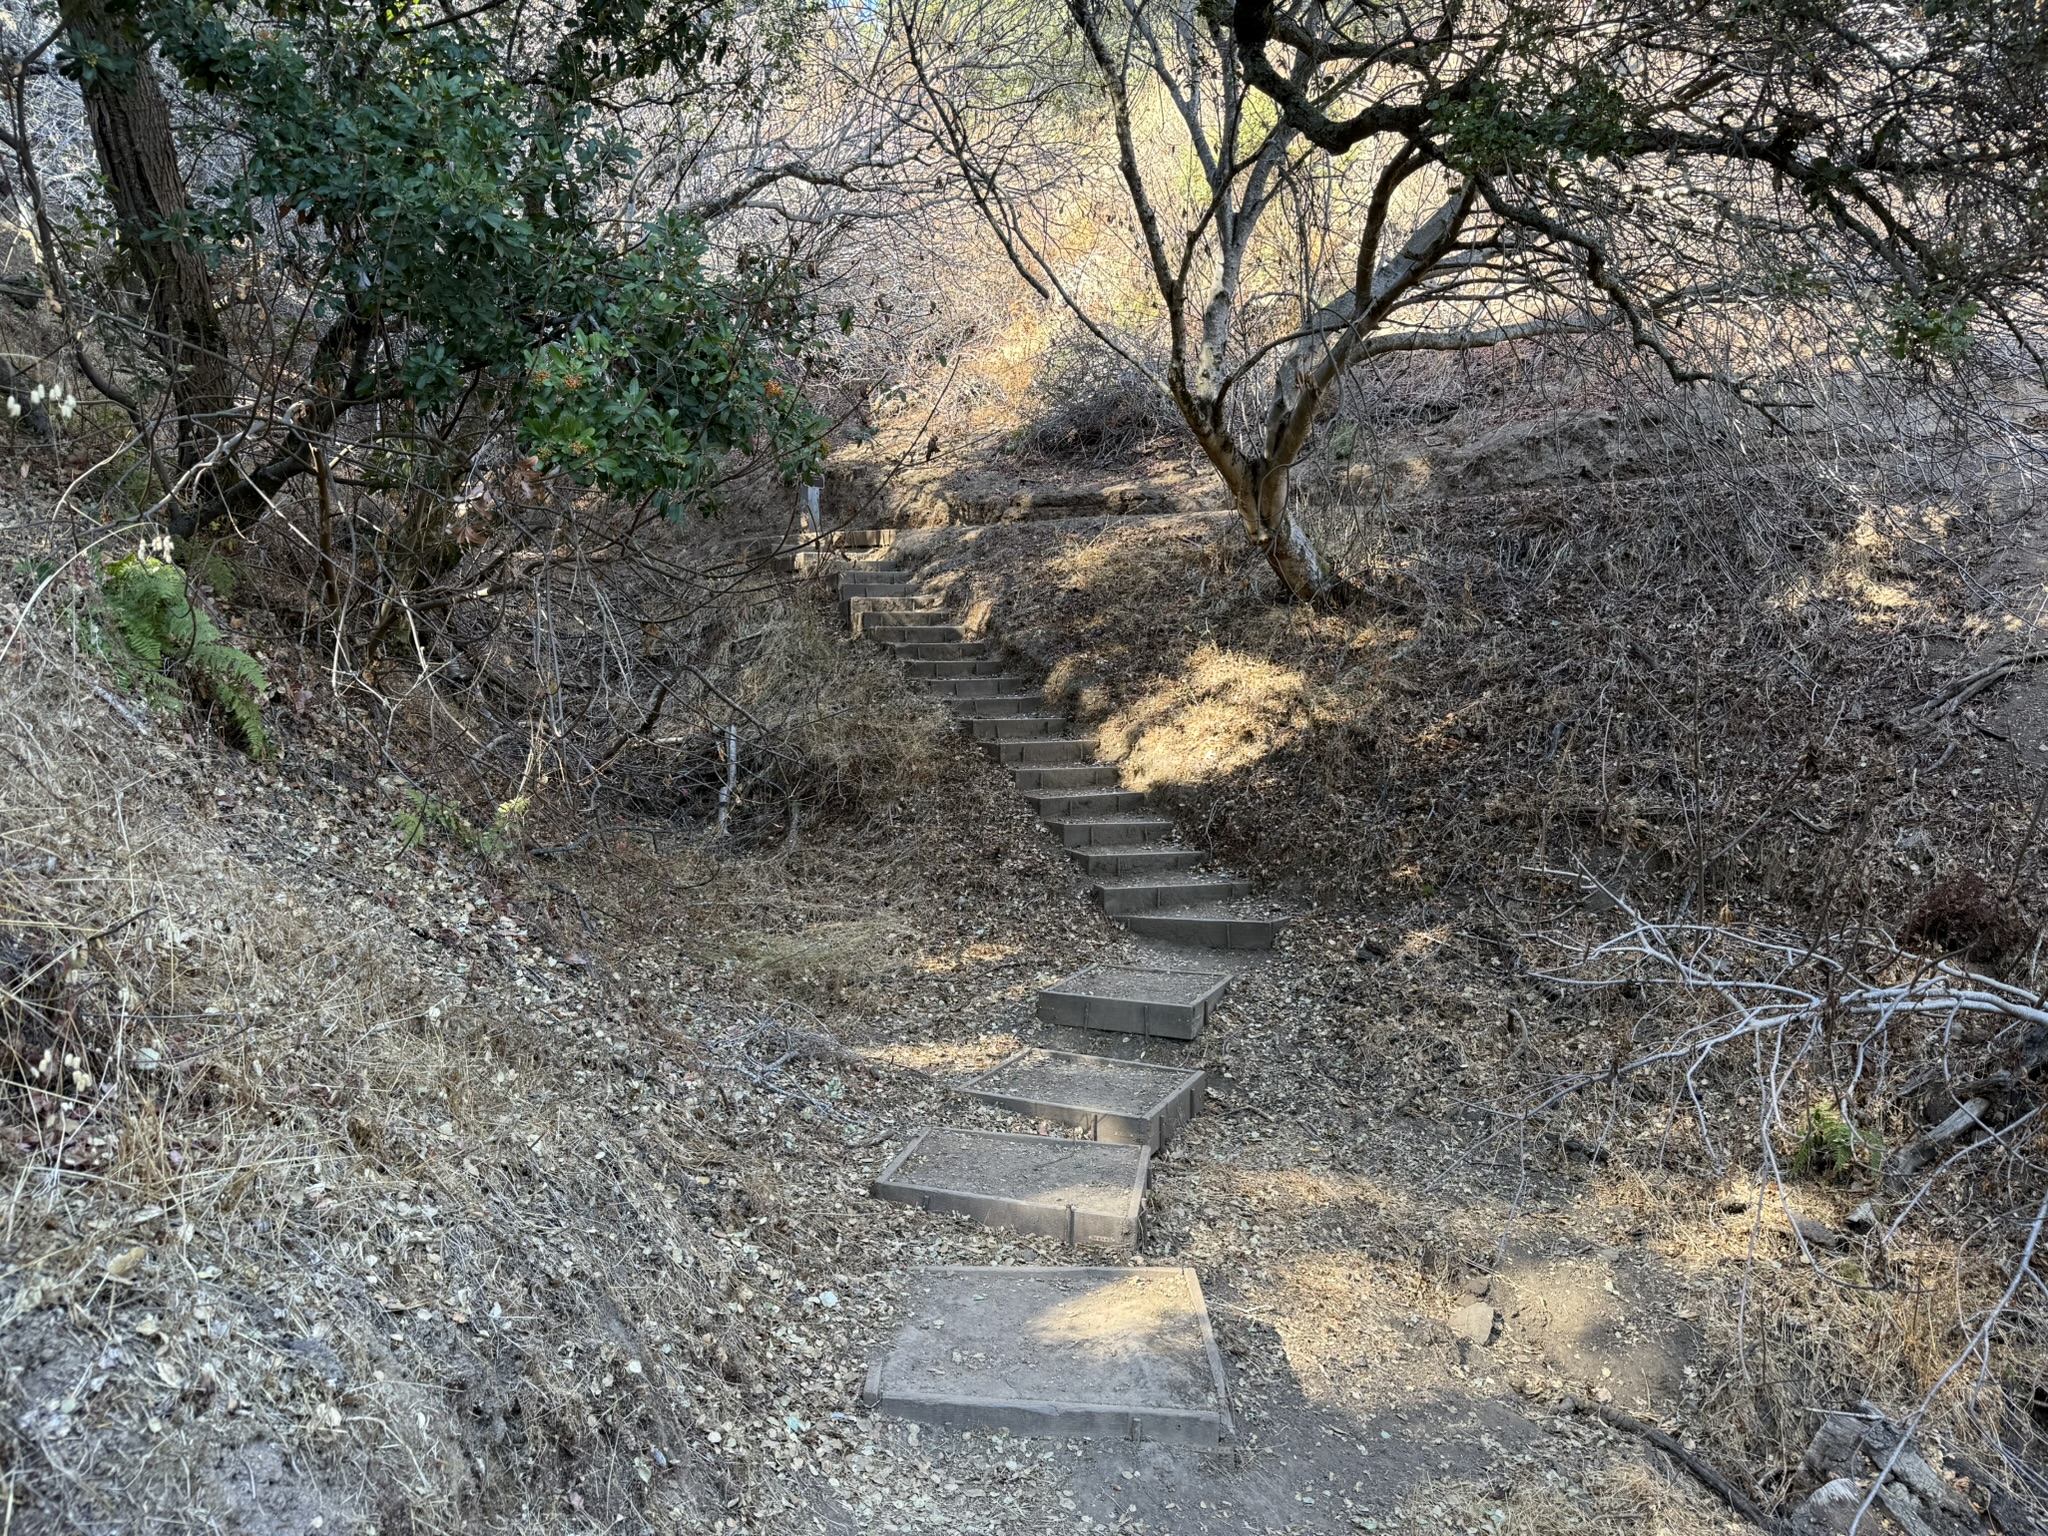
(970, 957)
(1225, 712)
(942, 1057)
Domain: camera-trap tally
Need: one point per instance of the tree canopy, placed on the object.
(1742, 189)
(445, 207)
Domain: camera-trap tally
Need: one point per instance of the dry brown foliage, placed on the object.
(409, 1184)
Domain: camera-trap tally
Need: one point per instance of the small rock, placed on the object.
(1817, 1233)
(1863, 1218)
(1476, 1285)
(1831, 1509)
(1474, 1323)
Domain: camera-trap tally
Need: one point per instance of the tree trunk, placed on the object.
(131, 132)
(1270, 519)
(1261, 491)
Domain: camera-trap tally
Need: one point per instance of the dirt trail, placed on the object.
(1402, 1316)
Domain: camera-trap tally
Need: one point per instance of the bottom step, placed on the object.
(1123, 1354)
(1219, 925)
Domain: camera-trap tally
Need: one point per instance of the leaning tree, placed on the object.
(1733, 186)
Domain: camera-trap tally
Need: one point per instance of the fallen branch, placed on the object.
(1907, 1160)
(1709, 1478)
(1964, 689)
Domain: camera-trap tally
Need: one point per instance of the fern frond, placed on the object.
(157, 623)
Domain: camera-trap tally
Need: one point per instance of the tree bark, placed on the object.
(1309, 578)
(1262, 492)
(131, 133)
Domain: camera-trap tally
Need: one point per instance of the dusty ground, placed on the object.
(405, 1190)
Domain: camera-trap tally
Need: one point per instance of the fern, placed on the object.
(1830, 1146)
(158, 627)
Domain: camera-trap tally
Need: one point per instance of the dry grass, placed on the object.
(298, 1182)
(398, 1188)
(1684, 682)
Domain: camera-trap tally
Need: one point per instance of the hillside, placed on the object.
(368, 1174)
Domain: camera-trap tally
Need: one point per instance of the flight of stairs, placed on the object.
(1139, 875)
(1089, 1188)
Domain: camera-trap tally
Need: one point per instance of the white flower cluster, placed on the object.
(63, 406)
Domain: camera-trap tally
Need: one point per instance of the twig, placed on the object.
(113, 702)
(1720, 1486)
(1963, 689)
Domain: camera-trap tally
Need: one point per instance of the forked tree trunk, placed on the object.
(1262, 493)
(131, 132)
(1262, 488)
(1277, 531)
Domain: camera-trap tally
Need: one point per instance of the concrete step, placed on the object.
(859, 538)
(812, 562)
(1222, 925)
(898, 601)
(836, 564)
(1105, 1097)
(1087, 776)
(863, 614)
(918, 634)
(1113, 863)
(855, 589)
(978, 687)
(934, 668)
(1039, 753)
(1056, 1352)
(1111, 831)
(1159, 893)
(998, 704)
(1050, 1186)
(1134, 1000)
(1069, 805)
(1016, 727)
(948, 650)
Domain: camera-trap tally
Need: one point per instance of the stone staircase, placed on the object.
(1140, 876)
(1132, 1353)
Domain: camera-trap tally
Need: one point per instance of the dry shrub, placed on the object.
(352, 1206)
(1093, 406)
(862, 737)
(1871, 1256)
(1964, 917)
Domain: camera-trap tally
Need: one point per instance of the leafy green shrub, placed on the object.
(1831, 1147)
(452, 200)
(427, 819)
(156, 630)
